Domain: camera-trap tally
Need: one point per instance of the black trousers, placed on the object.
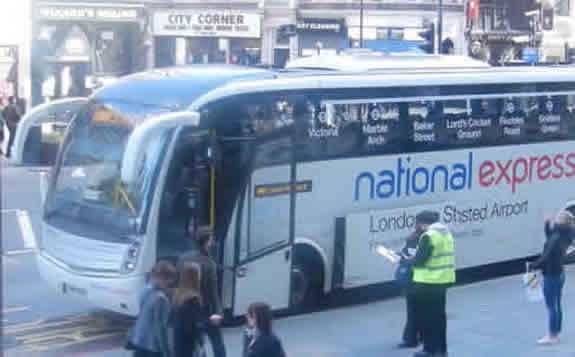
(411, 332)
(216, 340)
(12, 134)
(430, 301)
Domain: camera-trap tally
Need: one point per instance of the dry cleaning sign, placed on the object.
(207, 24)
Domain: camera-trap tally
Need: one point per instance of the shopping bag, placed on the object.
(532, 289)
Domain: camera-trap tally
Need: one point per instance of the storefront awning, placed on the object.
(392, 46)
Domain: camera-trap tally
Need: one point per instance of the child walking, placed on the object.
(259, 339)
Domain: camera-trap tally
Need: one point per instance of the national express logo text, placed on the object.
(409, 177)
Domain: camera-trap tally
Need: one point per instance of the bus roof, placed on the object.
(190, 87)
(399, 78)
(374, 61)
(175, 88)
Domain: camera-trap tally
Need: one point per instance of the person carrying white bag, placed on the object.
(532, 285)
(559, 236)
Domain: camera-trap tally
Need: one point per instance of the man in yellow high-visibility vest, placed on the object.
(433, 272)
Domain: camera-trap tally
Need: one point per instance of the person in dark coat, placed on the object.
(1, 132)
(209, 287)
(261, 341)
(411, 333)
(150, 335)
(12, 115)
(188, 317)
(559, 236)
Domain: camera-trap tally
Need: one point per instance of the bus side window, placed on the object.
(552, 118)
(328, 131)
(424, 129)
(570, 111)
(513, 121)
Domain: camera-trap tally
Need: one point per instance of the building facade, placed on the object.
(499, 30)
(15, 50)
(80, 45)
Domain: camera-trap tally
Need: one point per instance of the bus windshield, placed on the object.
(87, 196)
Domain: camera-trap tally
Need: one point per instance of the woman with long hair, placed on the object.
(149, 336)
(260, 339)
(211, 303)
(189, 319)
(559, 236)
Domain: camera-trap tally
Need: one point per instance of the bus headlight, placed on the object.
(131, 258)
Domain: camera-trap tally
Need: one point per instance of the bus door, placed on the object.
(40, 131)
(263, 259)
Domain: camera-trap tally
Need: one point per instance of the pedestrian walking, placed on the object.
(209, 287)
(259, 340)
(559, 236)
(150, 336)
(188, 318)
(2, 123)
(411, 332)
(433, 272)
(12, 115)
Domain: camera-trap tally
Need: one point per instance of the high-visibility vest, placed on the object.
(440, 266)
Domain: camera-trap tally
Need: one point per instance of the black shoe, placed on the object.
(422, 354)
(407, 345)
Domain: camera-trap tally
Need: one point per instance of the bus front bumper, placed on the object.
(119, 294)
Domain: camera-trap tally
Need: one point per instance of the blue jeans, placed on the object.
(552, 288)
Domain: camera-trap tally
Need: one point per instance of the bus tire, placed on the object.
(570, 254)
(307, 277)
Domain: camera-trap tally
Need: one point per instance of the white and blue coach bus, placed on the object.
(302, 171)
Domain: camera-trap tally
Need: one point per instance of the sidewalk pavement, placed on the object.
(489, 318)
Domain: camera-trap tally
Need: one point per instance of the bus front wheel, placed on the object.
(306, 283)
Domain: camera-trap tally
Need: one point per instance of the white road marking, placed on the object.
(9, 210)
(15, 309)
(27, 232)
(19, 252)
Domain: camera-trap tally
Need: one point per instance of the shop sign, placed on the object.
(320, 25)
(209, 23)
(88, 13)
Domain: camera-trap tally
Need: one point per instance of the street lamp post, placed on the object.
(439, 26)
(361, 24)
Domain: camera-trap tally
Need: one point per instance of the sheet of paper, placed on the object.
(389, 254)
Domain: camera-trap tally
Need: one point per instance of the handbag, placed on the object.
(403, 273)
(532, 290)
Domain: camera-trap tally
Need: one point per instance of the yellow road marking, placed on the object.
(15, 309)
(39, 324)
(43, 335)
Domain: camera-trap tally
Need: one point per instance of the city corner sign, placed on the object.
(88, 13)
(207, 24)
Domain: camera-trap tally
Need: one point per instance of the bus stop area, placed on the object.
(489, 318)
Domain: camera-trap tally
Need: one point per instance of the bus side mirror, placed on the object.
(140, 138)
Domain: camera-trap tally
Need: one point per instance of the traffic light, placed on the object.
(428, 35)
